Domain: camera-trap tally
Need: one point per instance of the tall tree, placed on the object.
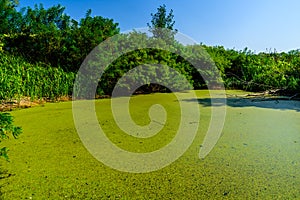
(9, 17)
(52, 37)
(162, 24)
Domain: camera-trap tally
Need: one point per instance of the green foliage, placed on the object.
(148, 57)
(257, 72)
(85, 36)
(238, 69)
(6, 129)
(20, 79)
(52, 37)
(49, 37)
(9, 17)
(162, 24)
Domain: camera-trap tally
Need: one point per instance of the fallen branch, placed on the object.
(295, 95)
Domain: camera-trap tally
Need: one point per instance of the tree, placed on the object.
(162, 24)
(85, 36)
(52, 37)
(9, 17)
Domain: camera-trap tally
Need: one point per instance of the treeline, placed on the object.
(161, 62)
(42, 50)
(247, 70)
(244, 69)
(50, 36)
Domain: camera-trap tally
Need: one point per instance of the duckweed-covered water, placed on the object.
(257, 156)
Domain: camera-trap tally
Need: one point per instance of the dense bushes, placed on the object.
(256, 72)
(51, 36)
(174, 56)
(238, 69)
(42, 49)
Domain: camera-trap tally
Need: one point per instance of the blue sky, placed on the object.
(256, 24)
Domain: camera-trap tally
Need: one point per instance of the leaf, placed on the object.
(4, 153)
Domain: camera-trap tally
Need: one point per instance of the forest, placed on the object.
(42, 50)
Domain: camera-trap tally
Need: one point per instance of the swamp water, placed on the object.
(256, 157)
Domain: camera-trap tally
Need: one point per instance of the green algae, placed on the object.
(257, 156)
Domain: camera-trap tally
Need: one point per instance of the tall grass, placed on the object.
(19, 79)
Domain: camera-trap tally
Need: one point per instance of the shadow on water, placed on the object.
(269, 103)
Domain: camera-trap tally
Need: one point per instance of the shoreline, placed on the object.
(25, 102)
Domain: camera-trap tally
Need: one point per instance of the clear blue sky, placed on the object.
(256, 24)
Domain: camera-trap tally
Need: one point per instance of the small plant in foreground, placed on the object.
(6, 129)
